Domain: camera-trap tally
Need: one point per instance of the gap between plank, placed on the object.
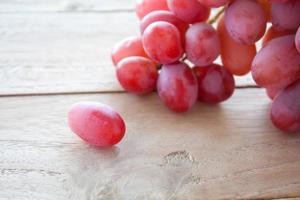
(93, 92)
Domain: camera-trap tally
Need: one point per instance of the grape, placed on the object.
(297, 39)
(214, 3)
(215, 83)
(277, 64)
(267, 8)
(167, 17)
(273, 33)
(177, 87)
(137, 75)
(278, 1)
(162, 42)
(272, 92)
(96, 123)
(286, 16)
(202, 44)
(131, 46)
(236, 58)
(143, 7)
(285, 109)
(190, 11)
(245, 21)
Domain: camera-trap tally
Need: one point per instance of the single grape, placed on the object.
(190, 11)
(144, 7)
(202, 44)
(277, 64)
(177, 87)
(131, 46)
(215, 83)
(245, 21)
(285, 109)
(267, 8)
(236, 58)
(96, 123)
(286, 16)
(272, 92)
(162, 42)
(273, 33)
(165, 16)
(297, 40)
(137, 75)
(214, 3)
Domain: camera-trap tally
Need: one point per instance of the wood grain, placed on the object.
(229, 151)
(62, 52)
(65, 5)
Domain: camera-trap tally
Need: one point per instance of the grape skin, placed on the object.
(285, 109)
(272, 33)
(215, 83)
(190, 11)
(137, 75)
(272, 92)
(202, 44)
(286, 16)
(236, 58)
(96, 123)
(144, 7)
(277, 64)
(177, 87)
(131, 46)
(162, 42)
(214, 3)
(245, 21)
(297, 40)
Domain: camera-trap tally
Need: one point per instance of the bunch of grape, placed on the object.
(176, 50)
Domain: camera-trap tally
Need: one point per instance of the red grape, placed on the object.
(214, 3)
(162, 42)
(96, 123)
(297, 40)
(273, 33)
(131, 46)
(137, 75)
(278, 1)
(272, 92)
(278, 64)
(165, 16)
(215, 83)
(143, 7)
(236, 58)
(267, 8)
(245, 21)
(202, 44)
(177, 87)
(285, 109)
(190, 11)
(286, 16)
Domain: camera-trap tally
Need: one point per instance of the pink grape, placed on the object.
(137, 75)
(131, 46)
(96, 123)
(162, 42)
(297, 40)
(272, 92)
(286, 16)
(277, 64)
(165, 16)
(273, 33)
(215, 83)
(285, 109)
(214, 3)
(177, 87)
(190, 11)
(278, 1)
(144, 7)
(202, 44)
(245, 21)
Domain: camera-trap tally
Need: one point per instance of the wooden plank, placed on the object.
(62, 52)
(65, 5)
(230, 151)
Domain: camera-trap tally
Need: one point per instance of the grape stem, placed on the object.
(217, 16)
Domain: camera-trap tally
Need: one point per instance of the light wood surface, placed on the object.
(55, 53)
(229, 151)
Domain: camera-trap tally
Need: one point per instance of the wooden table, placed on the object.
(54, 53)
